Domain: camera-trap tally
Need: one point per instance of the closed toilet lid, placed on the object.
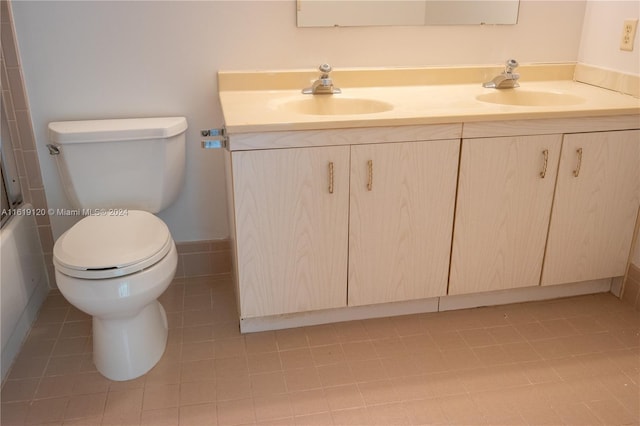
(112, 245)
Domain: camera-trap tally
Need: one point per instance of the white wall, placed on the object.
(600, 46)
(601, 34)
(86, 60)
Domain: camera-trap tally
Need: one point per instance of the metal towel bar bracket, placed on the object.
(215, 138)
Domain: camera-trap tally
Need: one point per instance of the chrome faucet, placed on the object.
(323, 85)
(507, 79)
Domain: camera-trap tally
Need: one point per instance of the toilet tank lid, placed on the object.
(86, 131)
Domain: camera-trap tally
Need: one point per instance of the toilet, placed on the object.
(115, 262)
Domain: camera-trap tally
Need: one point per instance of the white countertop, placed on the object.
(259, 102)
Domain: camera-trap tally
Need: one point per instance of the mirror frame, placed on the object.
(356, 13)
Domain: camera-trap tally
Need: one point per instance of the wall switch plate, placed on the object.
(628, 34)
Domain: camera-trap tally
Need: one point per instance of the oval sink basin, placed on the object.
(334, 105)
(529, 98)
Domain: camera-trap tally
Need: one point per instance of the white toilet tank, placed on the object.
(133, 164)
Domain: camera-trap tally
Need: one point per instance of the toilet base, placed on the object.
(126, 348)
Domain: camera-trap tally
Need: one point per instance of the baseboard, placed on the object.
(631, 293)
(525, 294)
(303, 319)
(203, 258)
(445, 303)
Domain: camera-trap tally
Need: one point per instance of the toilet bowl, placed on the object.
(114, 263)
(114, 268)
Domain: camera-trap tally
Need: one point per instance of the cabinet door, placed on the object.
(595, 207)
(502, 213)
(401, 215)
(291, 214)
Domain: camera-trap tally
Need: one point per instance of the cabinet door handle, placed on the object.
(370, 181)
(331, 177)
(545, 154)
(576, 172)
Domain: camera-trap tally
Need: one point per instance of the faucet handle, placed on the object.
(325, 68)
(511, 65)
(324, 84)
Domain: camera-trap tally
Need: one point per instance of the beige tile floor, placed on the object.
(572, 361)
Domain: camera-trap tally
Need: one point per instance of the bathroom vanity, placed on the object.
(431, 195)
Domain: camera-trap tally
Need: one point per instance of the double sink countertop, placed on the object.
(263, 101)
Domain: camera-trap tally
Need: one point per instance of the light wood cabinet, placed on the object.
(291, 212)
(595, 207)
(347, 218)
(505, 191)
(401, 217)
(302, 213)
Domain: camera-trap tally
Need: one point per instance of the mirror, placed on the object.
(355, 13)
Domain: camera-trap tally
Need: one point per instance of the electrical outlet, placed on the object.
(628, 34)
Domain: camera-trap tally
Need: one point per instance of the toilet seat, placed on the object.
(111, 246)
